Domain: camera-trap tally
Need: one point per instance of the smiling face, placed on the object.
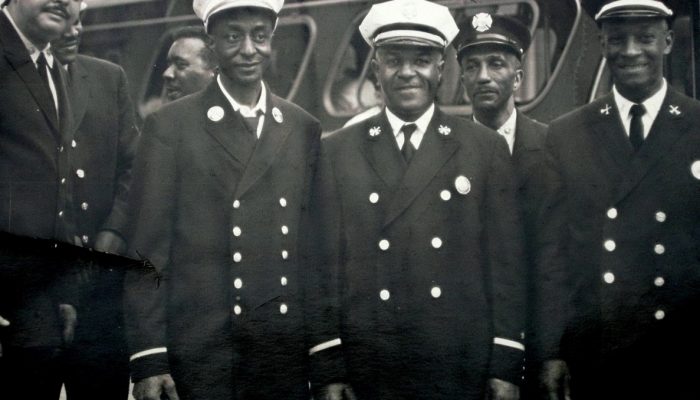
(409, 77)
(44, 20)
(66, 47)
(491, 75)
(635, 50)
(243, 43)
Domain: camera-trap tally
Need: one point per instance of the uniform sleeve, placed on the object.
(551, 293)
(127, 142)
(506, 261)
(323, 255)
(149, 238)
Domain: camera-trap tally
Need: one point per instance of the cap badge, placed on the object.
(277, 115)
(674, 110)
(409, 10)
(606, 110)
(695, 169)
(463, 185)
(482, 22)
(215, 113)
(444, 130)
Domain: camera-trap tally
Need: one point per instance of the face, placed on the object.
(409, 77)
(242, 42)
(491, 75)
(66, 47)
(187, 71)
(635, 50)
(44, 20)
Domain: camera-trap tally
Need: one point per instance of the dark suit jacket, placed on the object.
(104, 145)
(34, 158)
(218, 214)
(634, 251)
(427, 260)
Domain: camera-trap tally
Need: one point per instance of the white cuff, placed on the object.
(325, 345)
(148, 352)
(509, 343)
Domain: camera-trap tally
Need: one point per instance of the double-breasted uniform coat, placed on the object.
(218, 214)
(426, 260)
(634, 249)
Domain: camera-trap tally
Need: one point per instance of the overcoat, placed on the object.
(218, 214)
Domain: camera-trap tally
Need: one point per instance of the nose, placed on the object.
(482, 75)
(169, 73)
(631, 47)
(248, 47)
(406, 70)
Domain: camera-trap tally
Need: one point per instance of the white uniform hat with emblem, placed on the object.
(633, 9)
(204, 9)
(409, 22)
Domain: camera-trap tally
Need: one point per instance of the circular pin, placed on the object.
(659, 281)
(436, 292)
(659, 315)
(80, 173)
(237, 231)
(609, 277)
(445, 195)
(660, 216)
(659, 249)
(215, 113)
(374, 198)
(612, 213)
(436, 242)
(384, 244)
(695, 169)
(609, 245)
(463, 185)
(277, 115)
(384, 294)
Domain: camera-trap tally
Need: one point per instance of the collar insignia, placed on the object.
(375, 131)
(215, 113)
(606, 110)
(277, 115)
(444, 130)
(674, 110)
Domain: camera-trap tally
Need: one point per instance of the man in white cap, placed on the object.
(628, 165)
(221, 179)
(420, 228)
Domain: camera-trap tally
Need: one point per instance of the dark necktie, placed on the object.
(408, 150)
(252, 123)
(42, 67)
(637, 126)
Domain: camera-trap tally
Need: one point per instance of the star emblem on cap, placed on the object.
(375, 131)
(444, 130)
(409, 10)
(482, 22)
(674, 110)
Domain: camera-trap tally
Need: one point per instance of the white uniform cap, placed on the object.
(204, 9)
(409, 22)
(634, 9)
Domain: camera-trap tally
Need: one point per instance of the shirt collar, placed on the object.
(34, 51)
(652, 105)
(245, 110)
(508, 127)
(421, 123)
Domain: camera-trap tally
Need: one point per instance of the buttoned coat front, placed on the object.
(427, 258)
(218, 214)
(634, 250)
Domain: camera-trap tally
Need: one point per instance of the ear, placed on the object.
(669, 41)
(518, 79)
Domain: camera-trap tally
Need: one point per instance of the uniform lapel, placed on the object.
(18, 56)
(670, 124)
(525, 141)
(78, 84)
(437, 147)
(381, 151)
(225, 125)
(606, 125)
(274, 134)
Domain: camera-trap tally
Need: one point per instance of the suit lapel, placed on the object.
(274, 134)
(525, 141)
(607, 127)
(225, 125)
(18, 56)
(78, 84)
(437, 147)
(670, 124)
(381, 151)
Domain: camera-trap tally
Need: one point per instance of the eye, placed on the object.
(260, 37)
(233, 37)
(423, 61)
(497, 63)
(647, 38)
(181, 65)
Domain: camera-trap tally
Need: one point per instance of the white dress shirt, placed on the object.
(421, 126)
(507, 130)
(652, 105)
(246, 111)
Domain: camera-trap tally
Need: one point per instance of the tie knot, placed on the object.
(408, 130)
(637, 110)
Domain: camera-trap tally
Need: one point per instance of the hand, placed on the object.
(502, 390)
(69, 318)
(554, 380)
(336, 391)
(3, 323)
(109, 242)
(152, 388)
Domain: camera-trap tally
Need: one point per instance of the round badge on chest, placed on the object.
(695, 169)
(215, 114)
(462, 185)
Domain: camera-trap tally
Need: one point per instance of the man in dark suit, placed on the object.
(629, 168)
(221, 179)
(490, 49)
(36, 218)
(420, 233)
(103, 145)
